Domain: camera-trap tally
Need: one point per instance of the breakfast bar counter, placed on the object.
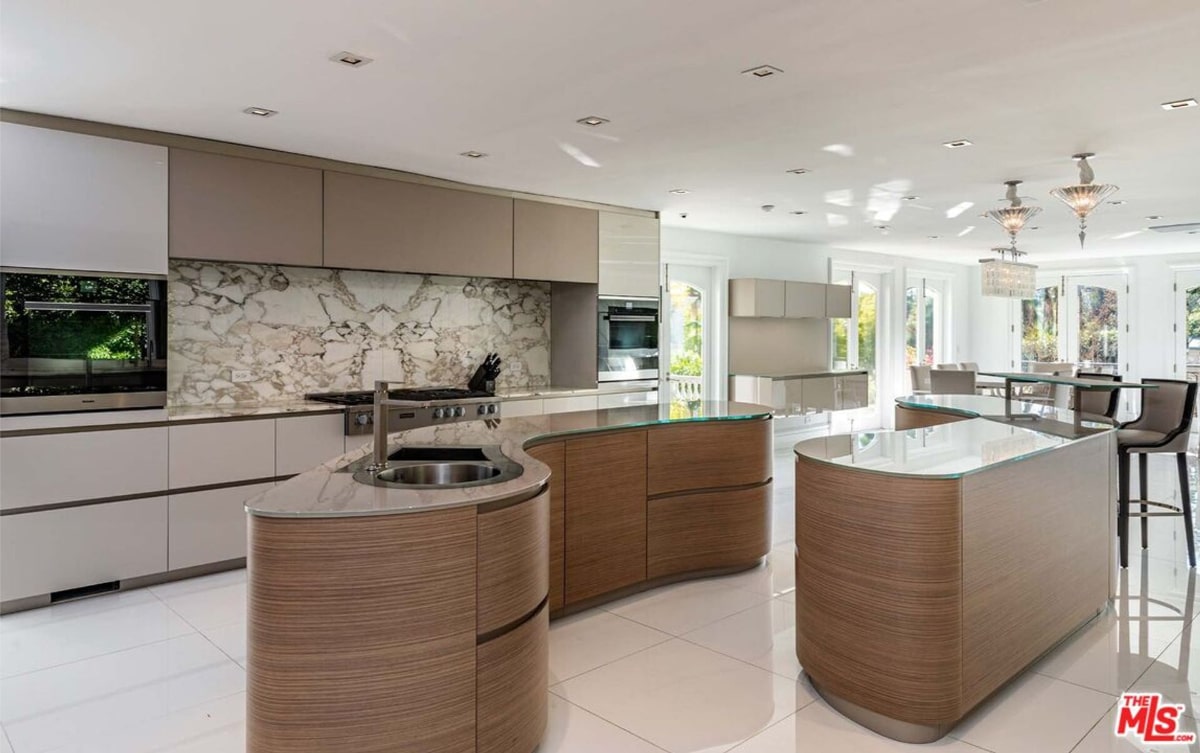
(935, 564)
(415, 618)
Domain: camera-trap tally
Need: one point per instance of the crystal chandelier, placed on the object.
(1086, 195)
(1014, 216)
(1002, 278)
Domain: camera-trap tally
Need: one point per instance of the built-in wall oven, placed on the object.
(628, 339)
(73, 341)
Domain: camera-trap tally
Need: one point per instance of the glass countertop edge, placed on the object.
(909, 401)
(556, 434)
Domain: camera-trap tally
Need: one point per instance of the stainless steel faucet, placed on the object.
(379, 447)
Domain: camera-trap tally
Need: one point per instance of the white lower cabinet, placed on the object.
(51, 468)
(44, 552)
(221, 451)
(627, 399)
(568, 404)
(208, 526)
(304, 442)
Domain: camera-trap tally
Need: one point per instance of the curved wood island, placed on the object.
(385, 619)
(934, 565)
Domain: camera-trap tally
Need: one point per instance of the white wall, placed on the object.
(745, 256)
(1154, 349)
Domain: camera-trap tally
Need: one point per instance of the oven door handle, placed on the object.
(630, 318)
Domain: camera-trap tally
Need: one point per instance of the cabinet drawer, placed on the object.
(707, 530)
(511, 700)
(303, 443)
(554, 455)
(683, 457)
(43, 552)
(513, 562)
(218, 452)
(209, 526)
(51, 468)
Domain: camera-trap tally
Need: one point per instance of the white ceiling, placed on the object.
(1029, 81)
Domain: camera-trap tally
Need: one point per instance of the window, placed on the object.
(1039, 328)
(924, 323)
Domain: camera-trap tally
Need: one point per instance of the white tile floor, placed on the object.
(703, 666)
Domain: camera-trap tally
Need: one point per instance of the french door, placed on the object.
(689, 316)
(1186, 358)
(1079, 320)
(856, 340)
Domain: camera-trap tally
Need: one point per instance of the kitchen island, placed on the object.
(935, 564)
(417, 619)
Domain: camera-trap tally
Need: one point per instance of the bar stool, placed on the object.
(920, 379)
(1163, 426)
(952, 382)
(1098, 405)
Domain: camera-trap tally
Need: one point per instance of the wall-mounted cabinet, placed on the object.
(801, 394)
(629, 255)
(234, 209)
(754, 297)
(555, 242)
(82, 202)
(757, 297)
(391, 225)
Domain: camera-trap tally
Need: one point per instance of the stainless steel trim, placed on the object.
(143, 308)
(627, 298)
(79, 273)
(630, 317)
(25, 405)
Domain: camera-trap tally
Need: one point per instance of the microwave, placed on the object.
(627, 341)
(77, 341)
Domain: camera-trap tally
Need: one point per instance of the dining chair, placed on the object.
(1162, 427)
(920, 379)
(948, 366)
(969, 366)
(951, 382)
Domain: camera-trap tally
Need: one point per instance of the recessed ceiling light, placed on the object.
(1117, 202)
(472, 154)
(762, 71)
(679, 191)
(798, 211)
(933, 237)
(592, 120)
(957, 144)
(351, 59)
(910, 198)
(1179, 104)
(1154, 216)
(261, 112)
(799, 170)
(1035, 227)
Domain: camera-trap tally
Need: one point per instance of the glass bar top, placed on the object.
(1038, 416)
(1087, 384)
(949, 450)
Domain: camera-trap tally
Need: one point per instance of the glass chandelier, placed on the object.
(1002, 278)
(1014, 216)
(1085, 196)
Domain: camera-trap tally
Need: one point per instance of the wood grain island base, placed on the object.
(417, 620)
(934, 566)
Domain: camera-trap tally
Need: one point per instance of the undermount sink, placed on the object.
(439, 468)
(439, 474)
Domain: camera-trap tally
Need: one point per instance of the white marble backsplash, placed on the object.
(297, 329)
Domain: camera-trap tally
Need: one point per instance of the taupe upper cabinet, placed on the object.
(629, 255)
(838, 302)
(235, 209)
(375, 223)
(804, 300)
(756, 297)
(555, 242)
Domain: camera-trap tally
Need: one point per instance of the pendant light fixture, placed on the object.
(1014, 216)
(1085, 196)
(1001, 278)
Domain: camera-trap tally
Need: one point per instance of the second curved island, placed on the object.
(386, 619)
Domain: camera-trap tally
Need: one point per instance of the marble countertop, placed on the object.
(330, 491)
(807, 374)
(204, 412)
(518, 393)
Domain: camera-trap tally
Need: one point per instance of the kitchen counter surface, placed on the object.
(209, 412)
(327, 491)
(518, 393)
(807, 374)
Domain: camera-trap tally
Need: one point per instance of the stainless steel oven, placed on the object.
(628, 339)
(73, 341)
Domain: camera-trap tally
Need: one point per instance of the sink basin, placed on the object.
(439, 474)
(439, 468)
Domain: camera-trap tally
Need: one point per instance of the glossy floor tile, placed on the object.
(1034, 714)
(685, 698)
(87, 700)
(582, 642)
(686, 606)
(763, 635)
(571, 729)
(817, 728)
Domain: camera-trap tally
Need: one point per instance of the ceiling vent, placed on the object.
(762, 71)
(260, 112)
(1183, 227)
(351, 59)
